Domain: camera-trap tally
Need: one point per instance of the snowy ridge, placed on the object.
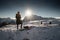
(37, 32)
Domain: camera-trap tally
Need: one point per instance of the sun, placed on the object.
(28, 12)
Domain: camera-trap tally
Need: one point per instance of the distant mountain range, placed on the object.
(8, 20)
(4, 21)
(35, 17)
(31, 18)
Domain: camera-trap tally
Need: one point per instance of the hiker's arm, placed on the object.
(16, 16)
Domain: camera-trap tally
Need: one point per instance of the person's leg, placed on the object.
(21, 26)
(17, 26)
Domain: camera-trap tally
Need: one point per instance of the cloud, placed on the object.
(57, 17)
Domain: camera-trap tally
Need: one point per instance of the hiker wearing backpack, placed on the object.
(18, 19)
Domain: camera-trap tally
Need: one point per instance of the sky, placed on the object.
(44, 8)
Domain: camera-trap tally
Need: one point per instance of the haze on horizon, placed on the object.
(44, 8)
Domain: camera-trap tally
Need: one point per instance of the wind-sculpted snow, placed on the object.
(36, 33)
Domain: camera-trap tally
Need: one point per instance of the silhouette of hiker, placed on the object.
(18, 19)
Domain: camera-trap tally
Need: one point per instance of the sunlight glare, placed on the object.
(28, 12)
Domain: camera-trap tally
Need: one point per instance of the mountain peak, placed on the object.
(32, 17)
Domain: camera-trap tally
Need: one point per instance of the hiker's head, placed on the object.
(18, 12)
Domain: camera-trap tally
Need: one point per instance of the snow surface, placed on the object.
(37, 32)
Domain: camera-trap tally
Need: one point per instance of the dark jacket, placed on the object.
(18, 18)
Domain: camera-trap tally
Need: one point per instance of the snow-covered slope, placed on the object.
(39, 32)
